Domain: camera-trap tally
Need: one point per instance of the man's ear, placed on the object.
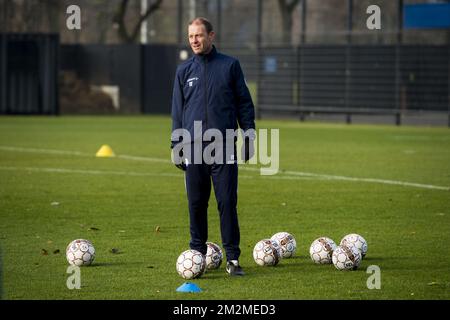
(211, 35)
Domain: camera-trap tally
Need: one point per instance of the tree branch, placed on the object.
(155, 6)
(119, 19)
(288, 6)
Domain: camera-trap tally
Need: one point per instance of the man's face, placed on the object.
(199, 39)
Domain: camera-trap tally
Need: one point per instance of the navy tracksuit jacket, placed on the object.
(211, 89)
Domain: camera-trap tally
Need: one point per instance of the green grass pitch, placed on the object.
(334, 180)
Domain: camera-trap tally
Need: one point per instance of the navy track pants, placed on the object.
(224, 178)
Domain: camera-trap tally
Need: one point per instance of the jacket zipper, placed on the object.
(206, 92)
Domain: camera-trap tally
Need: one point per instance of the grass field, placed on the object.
(389, 184)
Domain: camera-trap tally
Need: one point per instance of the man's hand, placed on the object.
(182, 165)
(248, 149)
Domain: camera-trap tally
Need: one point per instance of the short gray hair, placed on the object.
(203, 21)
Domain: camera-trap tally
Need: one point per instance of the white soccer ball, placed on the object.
(191, 264)
(356, 240)
(267, 253)
(346, 258)
(321, 250)
(214, 256)
(80, 252)
(286, 242)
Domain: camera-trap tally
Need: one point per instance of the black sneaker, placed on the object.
(234, 269)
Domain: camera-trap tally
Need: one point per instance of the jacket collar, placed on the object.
(208, 57)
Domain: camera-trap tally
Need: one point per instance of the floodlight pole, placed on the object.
(144, 25)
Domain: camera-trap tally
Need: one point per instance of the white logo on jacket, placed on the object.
(191, 81)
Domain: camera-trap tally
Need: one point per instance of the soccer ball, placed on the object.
(213, 256)
(191, 264)
(346, 258)
(286, 242)
(267, 253)
(321, 250)
(80, 252)
(356, 240)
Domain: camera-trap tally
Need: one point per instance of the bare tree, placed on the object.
(52, 8)
(103, 12)
(119, 20)
(286, 9)
(29, 16)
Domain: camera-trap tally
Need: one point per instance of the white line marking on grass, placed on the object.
(285, 174)
(370, 180)
(77, 153)
(124, 173)
(91, 172)
(135, 158)
(416, 138)
(45, 151)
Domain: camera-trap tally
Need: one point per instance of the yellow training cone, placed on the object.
(105, 151)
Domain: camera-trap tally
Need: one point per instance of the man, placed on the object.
(210, 90)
